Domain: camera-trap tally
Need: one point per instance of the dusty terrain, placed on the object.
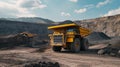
(20, 56)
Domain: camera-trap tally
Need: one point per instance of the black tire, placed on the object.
(75, 46)
(57, 48)
(85, 44)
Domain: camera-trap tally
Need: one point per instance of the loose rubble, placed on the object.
(43, 64)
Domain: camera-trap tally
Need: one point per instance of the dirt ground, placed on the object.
(20, 56)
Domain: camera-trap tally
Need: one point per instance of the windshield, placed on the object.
(70, 30)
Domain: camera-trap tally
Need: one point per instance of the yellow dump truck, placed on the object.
(18, 39)
(69, 36)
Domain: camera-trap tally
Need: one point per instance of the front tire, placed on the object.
(57, 48)
(75, 46)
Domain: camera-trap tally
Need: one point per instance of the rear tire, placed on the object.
(85, 44)
(57, 48)
(75, 46)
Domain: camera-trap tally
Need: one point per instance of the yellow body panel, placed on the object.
(70, 36)
(61, 26)
(70, 39)
(84, 32)
(56, 44)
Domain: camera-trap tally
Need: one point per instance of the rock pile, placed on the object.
(97, 37)
(43, 64)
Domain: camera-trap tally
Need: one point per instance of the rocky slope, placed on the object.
(14, 27)
(31, 20)
(109, 25)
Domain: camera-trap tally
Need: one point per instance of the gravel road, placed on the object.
(19, 56)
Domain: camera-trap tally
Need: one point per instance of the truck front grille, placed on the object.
(58, 38)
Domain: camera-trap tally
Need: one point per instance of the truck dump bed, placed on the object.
(83, 31)
(61, 26)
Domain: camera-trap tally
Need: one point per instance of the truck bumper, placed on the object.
(56, 44)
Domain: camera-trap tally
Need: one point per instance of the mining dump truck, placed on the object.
(69, 36)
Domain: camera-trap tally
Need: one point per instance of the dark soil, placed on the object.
(43, 64)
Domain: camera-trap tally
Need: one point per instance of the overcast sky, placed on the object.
(59, 10)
